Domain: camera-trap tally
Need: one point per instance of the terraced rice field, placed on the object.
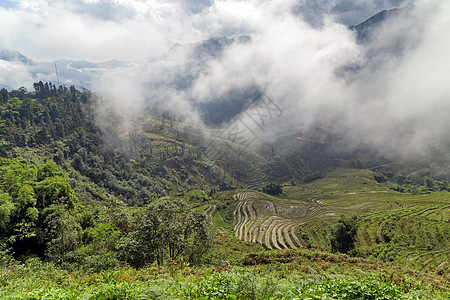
(257, 220)
(409, 229)
(215, 217)
(416, 235)
(274, 222)
(422, 228)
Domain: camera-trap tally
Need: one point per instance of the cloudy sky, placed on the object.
(98, 30)
(392, 93)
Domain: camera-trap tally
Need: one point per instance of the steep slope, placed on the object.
(365, 30)
(14, 56)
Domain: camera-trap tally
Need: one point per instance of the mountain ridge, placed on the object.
(365, 29)
(82, 72)
(15, 56)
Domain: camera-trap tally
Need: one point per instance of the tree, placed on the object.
(6, 209)
(167, 229)
(199, 195)
(379, 177)
(4, 96)
(55, 190)
(429, 182)
(359, 164)
(343, 234)
(26, 211)
(28, 196)
(61, 234)
(14, 174)
(272, 188)
(49, 169)
(199, 242)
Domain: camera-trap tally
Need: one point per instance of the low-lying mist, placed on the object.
(388, 92)
(272, 66)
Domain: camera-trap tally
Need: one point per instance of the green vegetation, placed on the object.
(166, 230)
(408, 229)
(343, 235)
(272, 188)
(34, 209)
(41, 215)
(265, 275)
(92, 207)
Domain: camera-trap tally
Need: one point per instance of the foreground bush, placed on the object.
(37, 280)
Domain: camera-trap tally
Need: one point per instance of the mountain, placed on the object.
(71, 72)
(98, 173)
(96, 196)
(388, 34)
(14, 56)
(82, 65)
(194, 57)
(83, 73)
(183, 64)
(366, 30)
(211, 48)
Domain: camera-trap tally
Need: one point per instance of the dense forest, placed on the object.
(65, 191)
(63, 125)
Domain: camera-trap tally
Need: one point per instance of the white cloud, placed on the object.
(94, 30)
(394, 101)
(14, 75)
(403, 100)
(348, 12)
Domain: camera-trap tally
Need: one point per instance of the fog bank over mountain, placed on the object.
(100, 30)
(383, 87)
(347, 12)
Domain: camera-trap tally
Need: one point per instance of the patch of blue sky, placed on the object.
(8, 3)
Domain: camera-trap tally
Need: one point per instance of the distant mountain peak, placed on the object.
(14, 56)
(210, 48)
(365, 29)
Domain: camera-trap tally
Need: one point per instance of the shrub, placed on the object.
(349, 288)
(272, 188)
(379, 177)
(343, 235)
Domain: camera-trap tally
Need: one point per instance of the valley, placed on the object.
(250, 150)
(113, 190)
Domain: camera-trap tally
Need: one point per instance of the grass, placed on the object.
(299, 274)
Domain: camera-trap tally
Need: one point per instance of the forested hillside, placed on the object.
(112, 202)
(110, 168)
(62, 125)
(65, 190)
